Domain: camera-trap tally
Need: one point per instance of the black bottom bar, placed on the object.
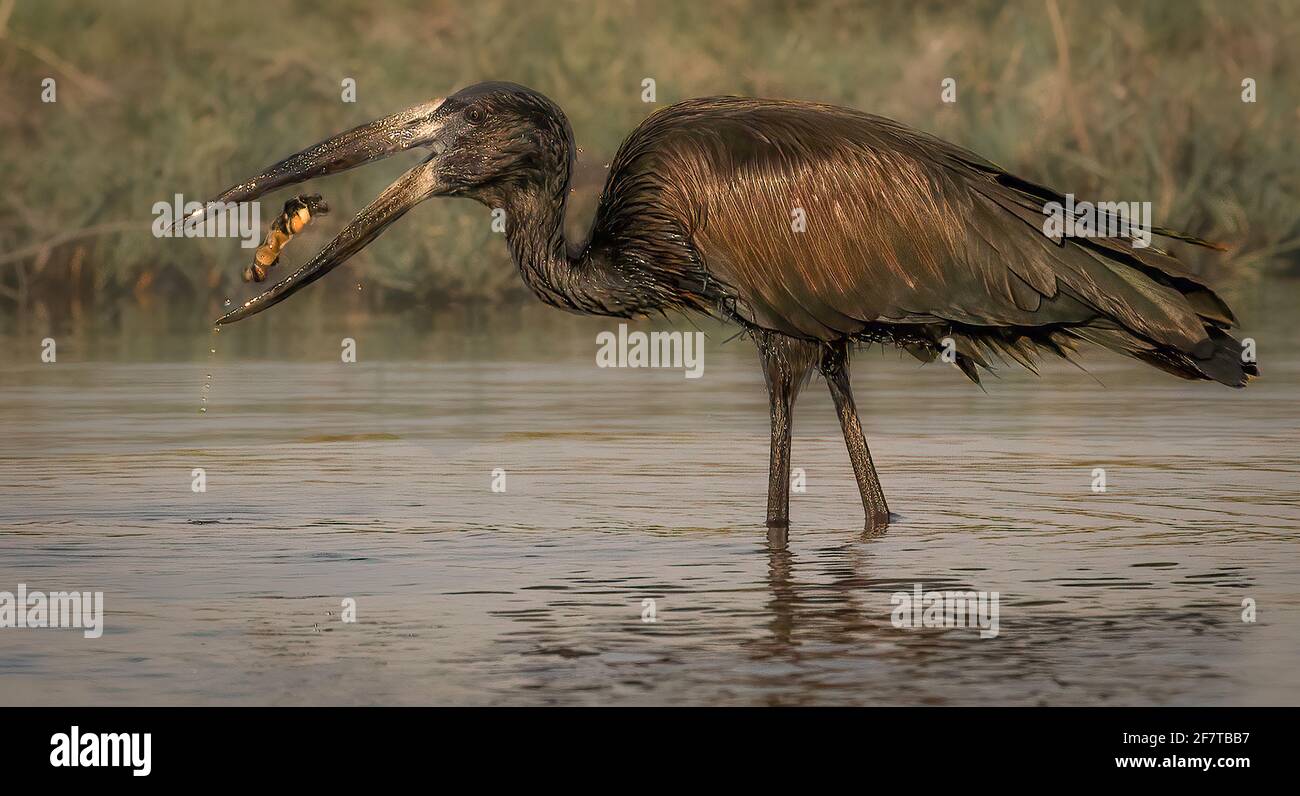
(332, 745)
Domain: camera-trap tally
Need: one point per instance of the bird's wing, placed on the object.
(821, 220)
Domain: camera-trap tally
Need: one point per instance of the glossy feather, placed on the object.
(908, 238)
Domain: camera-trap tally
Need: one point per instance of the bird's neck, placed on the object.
(571, 278)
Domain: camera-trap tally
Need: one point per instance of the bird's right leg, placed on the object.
(786, 365)
(834, 365)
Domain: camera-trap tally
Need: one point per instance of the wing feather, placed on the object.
(821, 222)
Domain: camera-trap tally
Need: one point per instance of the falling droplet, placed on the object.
(206, 389)
(227, 304)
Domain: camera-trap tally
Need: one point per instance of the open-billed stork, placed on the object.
(907, 239)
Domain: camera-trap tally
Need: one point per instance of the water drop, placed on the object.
(227, 304)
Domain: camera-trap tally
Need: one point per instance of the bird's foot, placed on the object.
(877, 521)
(778, 536)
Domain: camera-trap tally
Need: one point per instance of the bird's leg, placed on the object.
(786, 364)
(834, 366)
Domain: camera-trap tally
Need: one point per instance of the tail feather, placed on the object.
(1150, 306)
(1140, 301)
(1169, 233)
(1221, 358)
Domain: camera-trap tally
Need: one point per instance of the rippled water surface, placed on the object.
(373, 481)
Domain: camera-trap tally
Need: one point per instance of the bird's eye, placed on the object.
(474, 115)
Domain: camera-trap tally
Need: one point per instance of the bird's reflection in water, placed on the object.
(805, 613)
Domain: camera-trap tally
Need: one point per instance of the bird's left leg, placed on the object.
(834, 366)
(786, 365)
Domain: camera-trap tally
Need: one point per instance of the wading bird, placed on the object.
(907, 239)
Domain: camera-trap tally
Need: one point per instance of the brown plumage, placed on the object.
(905, 238)
(908, 238)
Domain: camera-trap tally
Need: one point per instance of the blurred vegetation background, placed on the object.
(1106, 99)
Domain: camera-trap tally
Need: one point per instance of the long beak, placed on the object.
(418, 126)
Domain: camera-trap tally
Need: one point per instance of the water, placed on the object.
(372, 481)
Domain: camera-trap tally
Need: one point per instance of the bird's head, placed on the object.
(492, 142)
(505, 138)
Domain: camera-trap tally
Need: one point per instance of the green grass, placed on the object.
(156, 98)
